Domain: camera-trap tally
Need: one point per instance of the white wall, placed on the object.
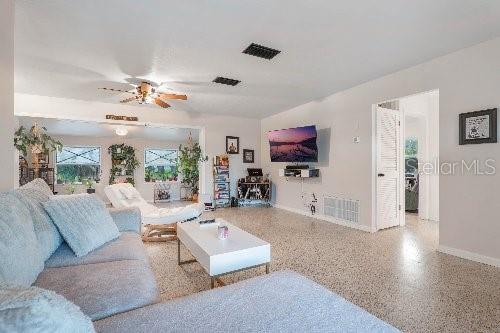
(7, 151)
(467, 80)
(216, 127)
(146, 189)
(415, 128)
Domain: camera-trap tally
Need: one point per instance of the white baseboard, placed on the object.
(323, 218)
(469, 255)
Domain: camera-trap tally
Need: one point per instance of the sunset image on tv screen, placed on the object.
(293, 145)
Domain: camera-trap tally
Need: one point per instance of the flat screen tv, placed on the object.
(293, 144)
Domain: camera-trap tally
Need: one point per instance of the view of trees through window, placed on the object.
(411, 147)
(411, 151)
(78, 164)
(160, 165)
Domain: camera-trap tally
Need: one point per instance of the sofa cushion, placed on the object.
(127, 219)
(279, 302)
(127, 246)
(130, 192)
(39, 310)
(33, 195)
(20, 254)
(103, 289)
(40, 185)
(83, 221)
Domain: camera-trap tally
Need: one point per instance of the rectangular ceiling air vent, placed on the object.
(225, 80)
(261, 51)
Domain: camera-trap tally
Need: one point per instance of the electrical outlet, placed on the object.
(356, 139)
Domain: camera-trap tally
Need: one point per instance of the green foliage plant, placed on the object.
(36, 139)
(190, 156)
(124, 155)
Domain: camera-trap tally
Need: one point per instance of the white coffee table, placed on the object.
(240, 251)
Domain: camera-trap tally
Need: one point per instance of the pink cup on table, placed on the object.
(222, 232)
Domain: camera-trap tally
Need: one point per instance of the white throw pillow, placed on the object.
(38, 310)
(129, 192)
(124, 192)
(134, 193)
(118, 193)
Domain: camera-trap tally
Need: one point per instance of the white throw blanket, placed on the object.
(125, 195)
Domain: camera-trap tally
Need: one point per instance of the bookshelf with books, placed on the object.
(222, 184)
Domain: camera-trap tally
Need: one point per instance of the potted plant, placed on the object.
(189, 159)
(71, 188)
(37, 141)
(131, 162)
(124, 162)
(90, 186)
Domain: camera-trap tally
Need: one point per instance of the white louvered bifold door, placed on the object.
(388, 168)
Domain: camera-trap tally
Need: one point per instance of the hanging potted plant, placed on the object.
(37, 142)
(124, 162)
(131, 162)
(190, 156)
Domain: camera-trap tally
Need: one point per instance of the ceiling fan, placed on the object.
(147, 93)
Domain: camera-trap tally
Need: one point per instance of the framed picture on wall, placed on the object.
(478, 127)
(232, 145)
(248, 156)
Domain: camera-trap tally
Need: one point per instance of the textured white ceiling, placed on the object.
(62, 127)
(70, 48)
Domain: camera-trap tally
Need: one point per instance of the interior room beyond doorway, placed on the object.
(86, 158)
(421, 153)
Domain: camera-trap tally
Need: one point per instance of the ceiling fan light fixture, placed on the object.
(121, 131)
(147, 93)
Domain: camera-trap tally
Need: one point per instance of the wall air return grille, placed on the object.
(225, 80)
(341, 209)
(261, 51)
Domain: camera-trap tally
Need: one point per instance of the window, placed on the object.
(411, 147)
(411, 151)
(160, 165)
(77, 164)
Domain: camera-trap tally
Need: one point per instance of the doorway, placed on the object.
(85, 162)
(406, 159)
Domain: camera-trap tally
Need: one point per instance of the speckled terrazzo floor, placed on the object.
(395, 274)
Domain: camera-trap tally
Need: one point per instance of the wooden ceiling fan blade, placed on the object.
(173, 96)
(129, 99)
(161, 103)
(118, 90)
